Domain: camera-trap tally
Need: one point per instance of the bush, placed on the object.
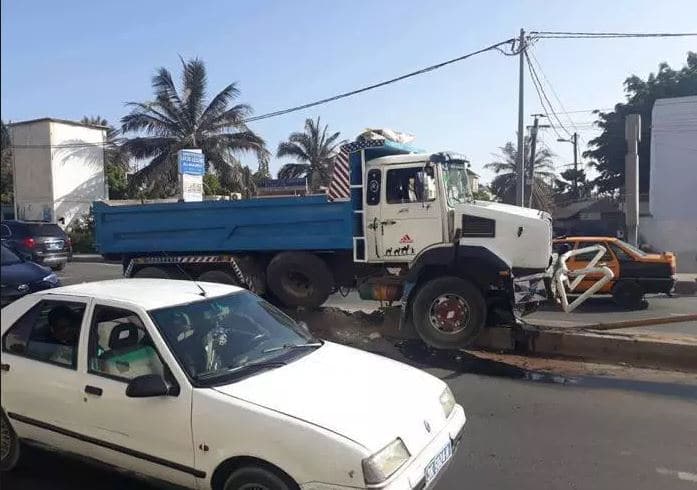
(81, 233)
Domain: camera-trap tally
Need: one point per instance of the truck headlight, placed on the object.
(51, 279)
(381, 465)
(447, 401)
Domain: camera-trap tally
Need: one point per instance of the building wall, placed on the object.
(32, 171)
(77, 165)
(672, 221)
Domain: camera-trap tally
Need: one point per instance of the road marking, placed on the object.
(680, 475)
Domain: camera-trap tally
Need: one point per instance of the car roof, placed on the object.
(149, 294)
(586, 239)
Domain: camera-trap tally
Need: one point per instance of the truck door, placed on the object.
(410, 213)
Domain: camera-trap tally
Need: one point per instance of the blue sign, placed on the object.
(191, 162)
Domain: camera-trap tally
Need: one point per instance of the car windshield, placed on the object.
(633, 249)
(9, 257)
(217, 339)
(456, 183)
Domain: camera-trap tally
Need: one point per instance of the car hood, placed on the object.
(364, 397)
(23, 273)
(515, 210)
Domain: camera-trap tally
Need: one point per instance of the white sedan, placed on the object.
(208, 386)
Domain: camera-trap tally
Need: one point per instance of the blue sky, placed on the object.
(71, 58)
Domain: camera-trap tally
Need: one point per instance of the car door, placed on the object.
(582, 260)
(149, 435)
(410, 215)
(40, 376)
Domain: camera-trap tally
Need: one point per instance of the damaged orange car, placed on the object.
(637, 273)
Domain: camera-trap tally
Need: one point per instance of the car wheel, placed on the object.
(9, 444)
(152, 272)
(58, 267)
(299, 279)
(255, 478)
(219, 276)
(449, 312)
(628, 294)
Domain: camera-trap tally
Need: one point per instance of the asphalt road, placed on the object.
(625, 431)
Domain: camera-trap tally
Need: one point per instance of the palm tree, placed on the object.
(182, 118)
(505, 167)
(314, 151)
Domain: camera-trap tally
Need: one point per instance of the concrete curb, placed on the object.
(87, 258)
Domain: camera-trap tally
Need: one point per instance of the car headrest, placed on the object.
(123, 335)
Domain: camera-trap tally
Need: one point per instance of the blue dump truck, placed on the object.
(397, 224)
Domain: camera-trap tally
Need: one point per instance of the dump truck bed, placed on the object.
(265, 224)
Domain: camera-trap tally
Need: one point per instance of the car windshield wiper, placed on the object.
(310, 345)
(244, 368)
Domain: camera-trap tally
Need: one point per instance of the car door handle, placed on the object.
(4, 367)
(388, 222)
(93, 390)
(403, 210)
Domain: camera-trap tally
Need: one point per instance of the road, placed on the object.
(565, 429)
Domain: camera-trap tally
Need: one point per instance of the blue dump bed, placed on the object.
(268, 224)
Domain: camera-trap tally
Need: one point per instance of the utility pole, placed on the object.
(530, 173)
(632, 133)
(520, 165)
(573, 141)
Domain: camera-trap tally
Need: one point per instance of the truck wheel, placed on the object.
(449, 312)
(299, 279)
(628, 294)
(222, 277)
(9, 444)
(153, 272)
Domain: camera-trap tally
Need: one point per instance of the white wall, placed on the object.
(672, 224)
(78, 169)
(32, 171)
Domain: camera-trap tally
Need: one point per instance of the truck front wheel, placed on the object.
(449, 312)
(299, 279)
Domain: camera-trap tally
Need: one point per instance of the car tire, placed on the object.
(153, 272)
(9, 442)
(257, 478)
(299, 279)
(58, 267)
(222, 277)
(449, 312)
(628, 294)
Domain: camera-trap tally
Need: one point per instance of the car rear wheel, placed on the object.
(255, 478)
(628, 294)
(58, 267)
(449, 312)
(9, 444)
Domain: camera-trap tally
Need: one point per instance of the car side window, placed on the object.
(406, 185)
(48, 332)
(5, 231)
(119, 345)
(587, 257)
(621, 254)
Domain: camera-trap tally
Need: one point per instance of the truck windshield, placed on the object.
(220, 339)
(456, 183)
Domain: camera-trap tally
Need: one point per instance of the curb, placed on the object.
(87, 258)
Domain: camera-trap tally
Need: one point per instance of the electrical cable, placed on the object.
(543, 97)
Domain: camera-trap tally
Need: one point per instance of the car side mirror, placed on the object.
(303, 326)
(149, 385)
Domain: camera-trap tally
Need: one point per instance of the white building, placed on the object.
(58, 169)
(671, 222)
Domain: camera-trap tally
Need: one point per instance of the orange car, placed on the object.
(636, 272)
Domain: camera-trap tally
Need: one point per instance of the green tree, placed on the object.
(116, 158)
(505, 167)
(6, 176)
(608, 150)
(183, 118)
(313, 150)
(211, 185)
(563, 186)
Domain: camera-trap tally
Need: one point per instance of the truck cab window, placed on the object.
(413, 184)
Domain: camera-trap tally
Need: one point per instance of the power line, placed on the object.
(603, 35)
(379, 84)
(541, 94)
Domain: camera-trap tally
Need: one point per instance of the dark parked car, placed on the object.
(45, 243)
(19, 277)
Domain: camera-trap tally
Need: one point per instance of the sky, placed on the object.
(80, 57)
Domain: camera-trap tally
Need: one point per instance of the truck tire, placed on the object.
(628, 294)
(222, 277)
(449, 312)
(153, 272)
(299, 279)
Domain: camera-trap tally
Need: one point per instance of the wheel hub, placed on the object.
(449, 313)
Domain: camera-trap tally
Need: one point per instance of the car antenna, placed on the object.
(183, 271)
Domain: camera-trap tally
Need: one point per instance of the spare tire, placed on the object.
(299, 279)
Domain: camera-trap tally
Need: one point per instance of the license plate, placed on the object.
(437, 463)
(54, 245)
